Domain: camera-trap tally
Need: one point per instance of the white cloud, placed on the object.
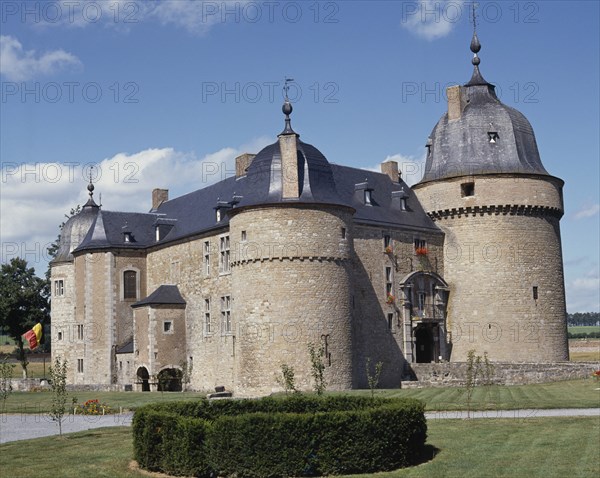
(17, 64)
(412, 168)
(433, 19)
(587, 211)
(195, 16)
(583, 292)
(35, 197)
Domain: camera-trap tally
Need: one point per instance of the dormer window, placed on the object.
(367, 196)
(493, 136)
(218, 215)
(127, 236)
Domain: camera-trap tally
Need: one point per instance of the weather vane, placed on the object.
(475, 5)
(286, 87)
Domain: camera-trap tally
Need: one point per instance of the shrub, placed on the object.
(294, 436)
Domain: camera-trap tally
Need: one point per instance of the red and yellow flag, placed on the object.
(34, 336)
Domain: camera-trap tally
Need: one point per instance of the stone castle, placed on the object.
(229, 282)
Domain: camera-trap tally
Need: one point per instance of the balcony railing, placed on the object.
(428, 311)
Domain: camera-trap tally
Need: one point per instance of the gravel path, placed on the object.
(26, 426)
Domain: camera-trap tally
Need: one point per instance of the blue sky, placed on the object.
(167, 93)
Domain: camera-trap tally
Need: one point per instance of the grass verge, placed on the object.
(532, 447)
(567, 394)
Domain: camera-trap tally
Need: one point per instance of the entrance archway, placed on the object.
(169, 380)
(143, 378)
(424, 343)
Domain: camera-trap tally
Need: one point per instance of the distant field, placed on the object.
(584, 329)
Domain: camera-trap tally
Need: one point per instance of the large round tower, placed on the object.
(291, 238)
(486, 188)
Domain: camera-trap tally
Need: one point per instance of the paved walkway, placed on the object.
(27, 426)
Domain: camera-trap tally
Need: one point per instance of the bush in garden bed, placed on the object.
(296, 436)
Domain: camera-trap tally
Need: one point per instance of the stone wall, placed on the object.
(454, 373)
(291, 284)
(503, 262)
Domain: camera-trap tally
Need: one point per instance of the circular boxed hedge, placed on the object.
(294, 436)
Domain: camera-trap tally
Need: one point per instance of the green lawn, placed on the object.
(584, 329)
(568, 394)
(534, 447)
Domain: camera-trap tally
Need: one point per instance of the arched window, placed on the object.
(130, 285)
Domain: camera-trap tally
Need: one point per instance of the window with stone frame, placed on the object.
(224, 256)
(130, 285)
(389, 288)
(226, 314)
(59, 288)
(80, 365)
(80, 332)
(420, 244)
(206, 264)
(207, 317)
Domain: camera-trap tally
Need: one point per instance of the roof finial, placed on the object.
(476, 79)
(90, 187)
(287, 108)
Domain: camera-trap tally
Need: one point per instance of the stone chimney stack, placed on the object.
(159, 196)
(456, 101)
(242, 163)
(290, 187)
(391, 169)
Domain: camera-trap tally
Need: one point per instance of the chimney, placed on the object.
(391, 169)
(289, 166)
(159, 196)
(242, 163)
(456, 101)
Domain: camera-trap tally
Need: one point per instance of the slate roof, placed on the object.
(320, 183)
(164, 295)
(126, 348)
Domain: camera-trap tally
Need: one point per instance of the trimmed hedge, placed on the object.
(269, 437)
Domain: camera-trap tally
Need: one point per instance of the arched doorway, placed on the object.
(425, 346)
(169, 380)
(143, 378)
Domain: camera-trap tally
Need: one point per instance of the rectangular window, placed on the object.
(168, 327)
(206, 258)
(224, 255)
(80, 331)
(207, 324)
(244, 236)
(387, 241)
(80, 365)
(59, 288)
(535, 292)
(129, 285)
(343, 233)
(467, 189)
(390, 319)
(388, 281)
(420, 245)
(226, 314)
(421, 301)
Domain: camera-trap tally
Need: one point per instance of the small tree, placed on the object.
(186, 374)
(58, 378)
(317, 367)
(488, 370)
(287, 379)
(6, 388)
(471, 378)
(373, 378)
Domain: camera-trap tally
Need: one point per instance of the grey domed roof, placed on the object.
(464, 146)
(75, 230)
(314, 174)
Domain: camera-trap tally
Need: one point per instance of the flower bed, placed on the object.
(295, 436)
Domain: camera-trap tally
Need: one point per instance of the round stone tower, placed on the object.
(291, 242)
(486, 188)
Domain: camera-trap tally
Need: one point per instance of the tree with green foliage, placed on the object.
(317, 367)
(373, 377)
(23, 302)
(58, 384)
(287, 379)
(6, 388)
